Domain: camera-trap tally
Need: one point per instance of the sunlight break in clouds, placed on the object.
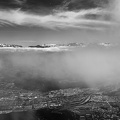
(68, 19)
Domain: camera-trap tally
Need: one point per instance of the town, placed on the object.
(85, 103)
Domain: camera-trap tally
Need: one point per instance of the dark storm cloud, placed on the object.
(67, 4)
(29, 4)
(8, 4)
(19, 2)
(59, 4)
(83, 4)
(48, 3)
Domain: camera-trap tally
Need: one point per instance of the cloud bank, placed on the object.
(87, 67)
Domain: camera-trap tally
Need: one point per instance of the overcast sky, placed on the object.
(31, 22)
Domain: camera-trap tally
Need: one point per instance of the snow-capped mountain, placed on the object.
(10, 45)
(58, 45)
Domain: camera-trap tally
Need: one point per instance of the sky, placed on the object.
(31, 22)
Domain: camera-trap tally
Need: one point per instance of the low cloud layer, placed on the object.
(87, 67)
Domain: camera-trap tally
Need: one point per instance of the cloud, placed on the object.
(19, 2)
(59, 19)
(54, 70)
